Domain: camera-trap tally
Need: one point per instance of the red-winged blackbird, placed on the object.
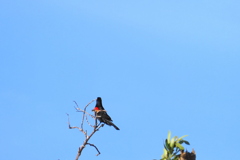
(102, 115)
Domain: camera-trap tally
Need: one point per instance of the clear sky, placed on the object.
(158, 66)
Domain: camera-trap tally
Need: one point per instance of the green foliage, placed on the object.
(172, 147)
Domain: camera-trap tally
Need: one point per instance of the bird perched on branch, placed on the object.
(102, 115)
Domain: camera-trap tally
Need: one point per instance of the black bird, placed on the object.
(102, 115)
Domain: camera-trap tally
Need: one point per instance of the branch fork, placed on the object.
(87, 137)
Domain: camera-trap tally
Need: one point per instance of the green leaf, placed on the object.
(179, 146)
(179, 139)
(172, 142)
(164, 153)
(166, 145)
(184, 141)
(175, 138)
(169, 137)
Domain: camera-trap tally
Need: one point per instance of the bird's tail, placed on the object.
(115, 126)
(112, 124)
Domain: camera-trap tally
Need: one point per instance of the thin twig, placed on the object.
(80, 129)
(82, 116)
(95, 148)
(80, 149)
(95, 128)
(89, 122)
(80, 110)
(84, 112)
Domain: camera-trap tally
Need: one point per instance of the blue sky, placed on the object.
(158, 66)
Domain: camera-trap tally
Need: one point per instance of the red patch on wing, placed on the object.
(96, 109)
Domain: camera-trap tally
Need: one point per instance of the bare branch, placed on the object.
(88, 122)
(87, 137)
(80, 149)
(84, 114)
(95, 148)
(84, 111)
(80, 129)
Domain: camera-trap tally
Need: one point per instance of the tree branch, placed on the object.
(86, 142)
(95, 148)
(87, 137)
